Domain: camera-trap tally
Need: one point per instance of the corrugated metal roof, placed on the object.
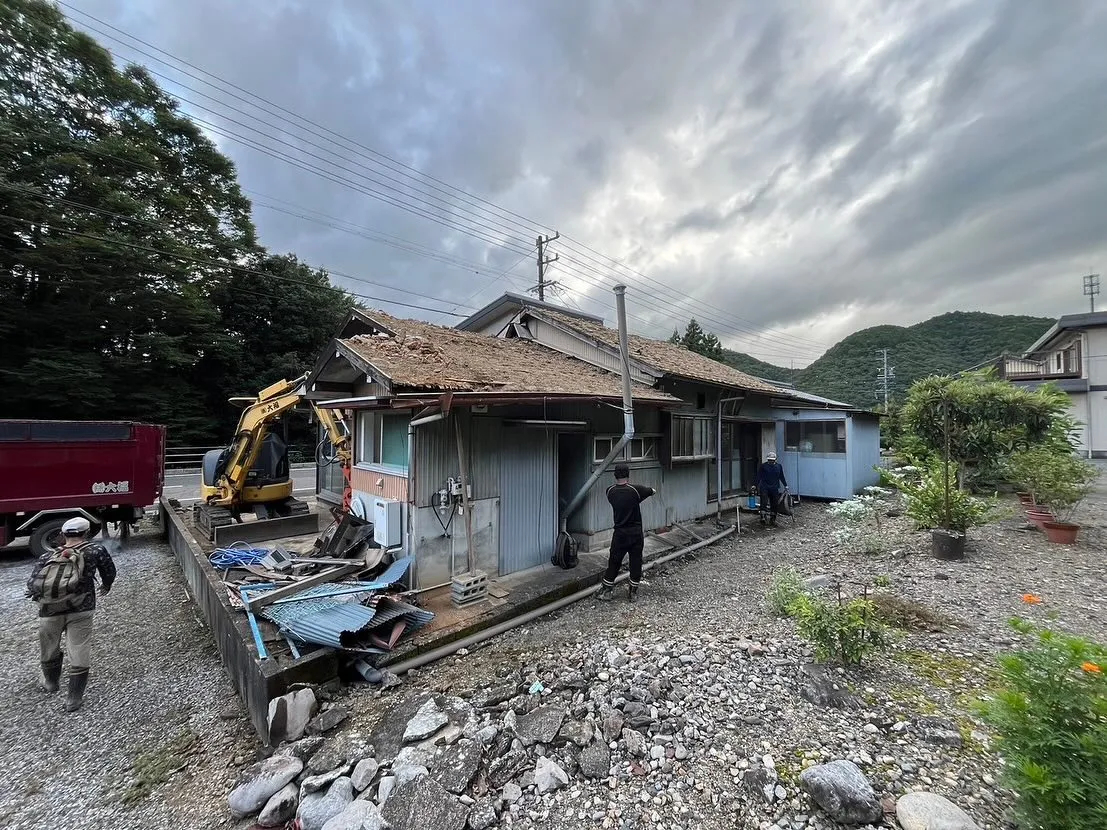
(329, 626)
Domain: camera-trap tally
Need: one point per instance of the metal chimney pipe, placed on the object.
(628, 411)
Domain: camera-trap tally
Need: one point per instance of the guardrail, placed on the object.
(184, 458)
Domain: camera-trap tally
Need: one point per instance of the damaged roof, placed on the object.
(668, 358)
(423, 356)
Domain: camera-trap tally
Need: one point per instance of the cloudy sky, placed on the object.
(786, 171)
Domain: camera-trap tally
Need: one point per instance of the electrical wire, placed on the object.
(236, 557)
(707, 310)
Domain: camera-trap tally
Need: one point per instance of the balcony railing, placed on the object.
(1055, 365)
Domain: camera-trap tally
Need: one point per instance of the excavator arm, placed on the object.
(338, 433)
(253, 425)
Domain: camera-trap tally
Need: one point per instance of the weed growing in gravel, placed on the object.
(787, 586)
(857, 521)
(882, 580)
(845, 631)
(910, 615)
(1051, 719)
(153, 768)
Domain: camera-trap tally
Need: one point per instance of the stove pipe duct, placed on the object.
(628, 413)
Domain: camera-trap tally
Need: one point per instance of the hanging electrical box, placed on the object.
(388, 530)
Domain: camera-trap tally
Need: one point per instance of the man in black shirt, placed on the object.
(628, 536)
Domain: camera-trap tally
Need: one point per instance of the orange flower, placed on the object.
(1031, 599)
(1092, 668)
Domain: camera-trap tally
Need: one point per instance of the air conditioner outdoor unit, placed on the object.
(388, 530)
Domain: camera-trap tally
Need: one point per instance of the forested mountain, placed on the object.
(131, 282)
(947, 343)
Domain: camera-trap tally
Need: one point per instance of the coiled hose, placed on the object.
(236, 557)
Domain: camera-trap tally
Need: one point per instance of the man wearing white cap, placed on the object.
(63, 585)
(770, 482)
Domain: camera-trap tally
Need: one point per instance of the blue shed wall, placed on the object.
(864, 450)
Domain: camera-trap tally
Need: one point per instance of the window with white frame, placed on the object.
(642, 448)
(691, 438)
(382, 440)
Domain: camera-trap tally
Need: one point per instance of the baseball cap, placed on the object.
(622, 471)
(772, 456)
(77, 526)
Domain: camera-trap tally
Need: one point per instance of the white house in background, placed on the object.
(1073, 355)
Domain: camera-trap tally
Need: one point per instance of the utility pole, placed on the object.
(886, 375)
(1091, 288)
(543, 261)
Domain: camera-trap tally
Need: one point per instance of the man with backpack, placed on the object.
(628, 537)
(63, 584)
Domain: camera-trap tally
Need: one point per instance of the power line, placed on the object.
(499, 213)
(225, 265)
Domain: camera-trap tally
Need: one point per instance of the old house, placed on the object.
(1072, 355)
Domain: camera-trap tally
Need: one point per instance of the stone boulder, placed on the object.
(928, 811)
(540, 726)
(261, 782)
(843, 792)
(423, 804)
(316, 809)
(281, 808)
(427, 720)
(548, 776)
(289, 715)
(358, 815)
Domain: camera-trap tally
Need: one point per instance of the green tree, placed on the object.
(131, 282)
(985, 419)
(695, 339)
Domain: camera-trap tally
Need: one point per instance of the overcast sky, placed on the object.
(799, 169)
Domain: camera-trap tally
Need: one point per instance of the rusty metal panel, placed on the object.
(528, 501)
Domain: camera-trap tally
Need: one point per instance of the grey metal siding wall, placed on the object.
(863, 446)
(682, 497)
(528, 507)
(436, 456)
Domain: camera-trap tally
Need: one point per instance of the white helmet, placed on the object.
(772, 456)
(77, 526)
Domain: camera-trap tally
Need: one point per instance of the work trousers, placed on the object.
(622, 543)
(770, 500)
(77, 628)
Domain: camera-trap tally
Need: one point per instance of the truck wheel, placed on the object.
(47, 535)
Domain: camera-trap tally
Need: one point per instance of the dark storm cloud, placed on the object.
(812, 167)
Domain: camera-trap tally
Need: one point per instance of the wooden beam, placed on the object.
(303, 584)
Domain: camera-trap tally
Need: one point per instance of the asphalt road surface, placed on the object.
(184, 485)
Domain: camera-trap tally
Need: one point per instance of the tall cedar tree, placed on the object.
(118, 221)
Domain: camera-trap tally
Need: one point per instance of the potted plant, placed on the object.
(936, 503)
(1065, 482)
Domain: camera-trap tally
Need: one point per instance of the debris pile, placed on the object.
(611, 735)
(349, 595)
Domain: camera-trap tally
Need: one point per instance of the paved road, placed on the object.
(184, 485)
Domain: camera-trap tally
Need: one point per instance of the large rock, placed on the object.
(548, 776)
(423, 804)
(385, 788)
(304, 748)
(540, 726)
(495, 695)
(928, 811)
(358, 815)
(316, 809)
(261, 782)
(595, 761)
(483, 815)
(426, 721)
(818, 686)
(343, 749)
(456, 767)
(511, 793)
(289, 715)
(506, 767)
(843, 792)
(637, 715)
(279, 809)
(364, 773)
(328, 720)
(576, 732)
(315, 783)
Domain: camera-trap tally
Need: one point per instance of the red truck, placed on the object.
(50, 471)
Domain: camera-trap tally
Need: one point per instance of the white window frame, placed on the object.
(703, 429)
(370, 433)
(653, 440)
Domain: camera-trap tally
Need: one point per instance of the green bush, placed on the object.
(1051, 720)
(924, 500)
(787, 586)
(843, 631)
(1055, 478)
(857, 521)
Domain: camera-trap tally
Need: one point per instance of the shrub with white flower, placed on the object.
(857, 521)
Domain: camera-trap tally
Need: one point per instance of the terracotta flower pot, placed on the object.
(1026, 498)
(1061, 533)
(1040, 517)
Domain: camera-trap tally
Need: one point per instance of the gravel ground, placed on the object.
(718, 675)
(156, 694)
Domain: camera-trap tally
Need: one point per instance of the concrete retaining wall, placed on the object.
(257, 681)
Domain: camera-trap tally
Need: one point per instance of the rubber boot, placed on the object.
(78, 680)
(633, 593)
(606, 592)
(51, 675)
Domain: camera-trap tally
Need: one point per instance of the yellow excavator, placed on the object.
(252, 475)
